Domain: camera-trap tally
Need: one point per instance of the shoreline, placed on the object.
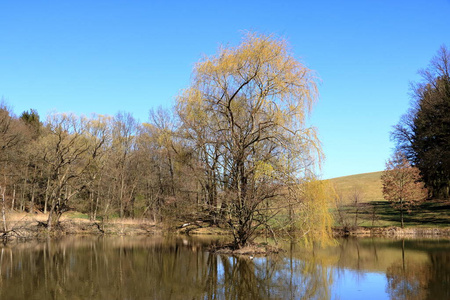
(394, 232)
(31, 227)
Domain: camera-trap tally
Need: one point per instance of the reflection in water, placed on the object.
(269, 278)
(439, 275)
(157, 268)
(406, 279)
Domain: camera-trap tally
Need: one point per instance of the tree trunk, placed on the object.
(5, 227)
(356, 214)
(32, 198)
(50, 218)
(13, 197)
(46, 195)
(96, 207)
(22, 199)
(121, 195)
(91, 202)
(401, 212)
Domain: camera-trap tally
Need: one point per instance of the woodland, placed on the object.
(235, 151)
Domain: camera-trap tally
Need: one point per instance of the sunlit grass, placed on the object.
(368, 183)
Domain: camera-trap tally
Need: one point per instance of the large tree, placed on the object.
(402, 184)
(63, 155)
(423, 134)
(245, 115)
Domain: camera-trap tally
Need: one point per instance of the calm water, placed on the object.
(180, 268)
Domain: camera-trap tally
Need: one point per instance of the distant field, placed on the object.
(374, 210)
(368, 183)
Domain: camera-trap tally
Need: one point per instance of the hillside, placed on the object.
(368, 183)
(380, 212)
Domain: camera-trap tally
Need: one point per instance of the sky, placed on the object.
(107, 56)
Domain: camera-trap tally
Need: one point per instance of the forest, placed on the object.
(235, 151)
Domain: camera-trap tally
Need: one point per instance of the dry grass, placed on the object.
(13, 216)
(368, 183)
(128, 221)
(20, 217)
(376, 210)
(27, 225)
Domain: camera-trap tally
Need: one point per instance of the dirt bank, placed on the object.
(26, 226)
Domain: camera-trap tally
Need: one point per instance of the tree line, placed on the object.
(100, 165)
(420, 167)
(236, 150)
(422, 135)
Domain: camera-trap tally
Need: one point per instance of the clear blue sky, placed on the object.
(109, 56)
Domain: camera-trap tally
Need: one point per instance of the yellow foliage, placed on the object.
(314, 217)
(263, 169)
(245, 111)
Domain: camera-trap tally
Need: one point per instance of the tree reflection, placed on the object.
(439, 282)
(181, 268)
(269, 278)
(145, 269)
(408, 279)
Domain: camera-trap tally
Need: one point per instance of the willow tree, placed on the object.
(245, 114)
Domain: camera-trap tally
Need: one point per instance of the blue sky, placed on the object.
(109, 56)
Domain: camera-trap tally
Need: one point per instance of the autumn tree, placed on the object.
(402, 184)
(423, 133)
(245, 112)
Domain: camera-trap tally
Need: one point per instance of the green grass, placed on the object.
(430, 213)
(76, 215)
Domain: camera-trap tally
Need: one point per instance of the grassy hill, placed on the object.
(368, 183)
(373, 206)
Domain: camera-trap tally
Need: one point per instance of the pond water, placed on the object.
(181, 268)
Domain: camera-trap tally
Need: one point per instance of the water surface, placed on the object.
(182, 268)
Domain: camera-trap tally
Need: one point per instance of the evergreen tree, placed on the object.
(423, 134)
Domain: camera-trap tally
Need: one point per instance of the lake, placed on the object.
(182, 268)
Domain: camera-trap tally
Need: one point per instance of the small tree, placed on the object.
(402, 184)
(356, 197)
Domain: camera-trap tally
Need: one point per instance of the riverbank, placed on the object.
(392, 231)
(29, 226)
